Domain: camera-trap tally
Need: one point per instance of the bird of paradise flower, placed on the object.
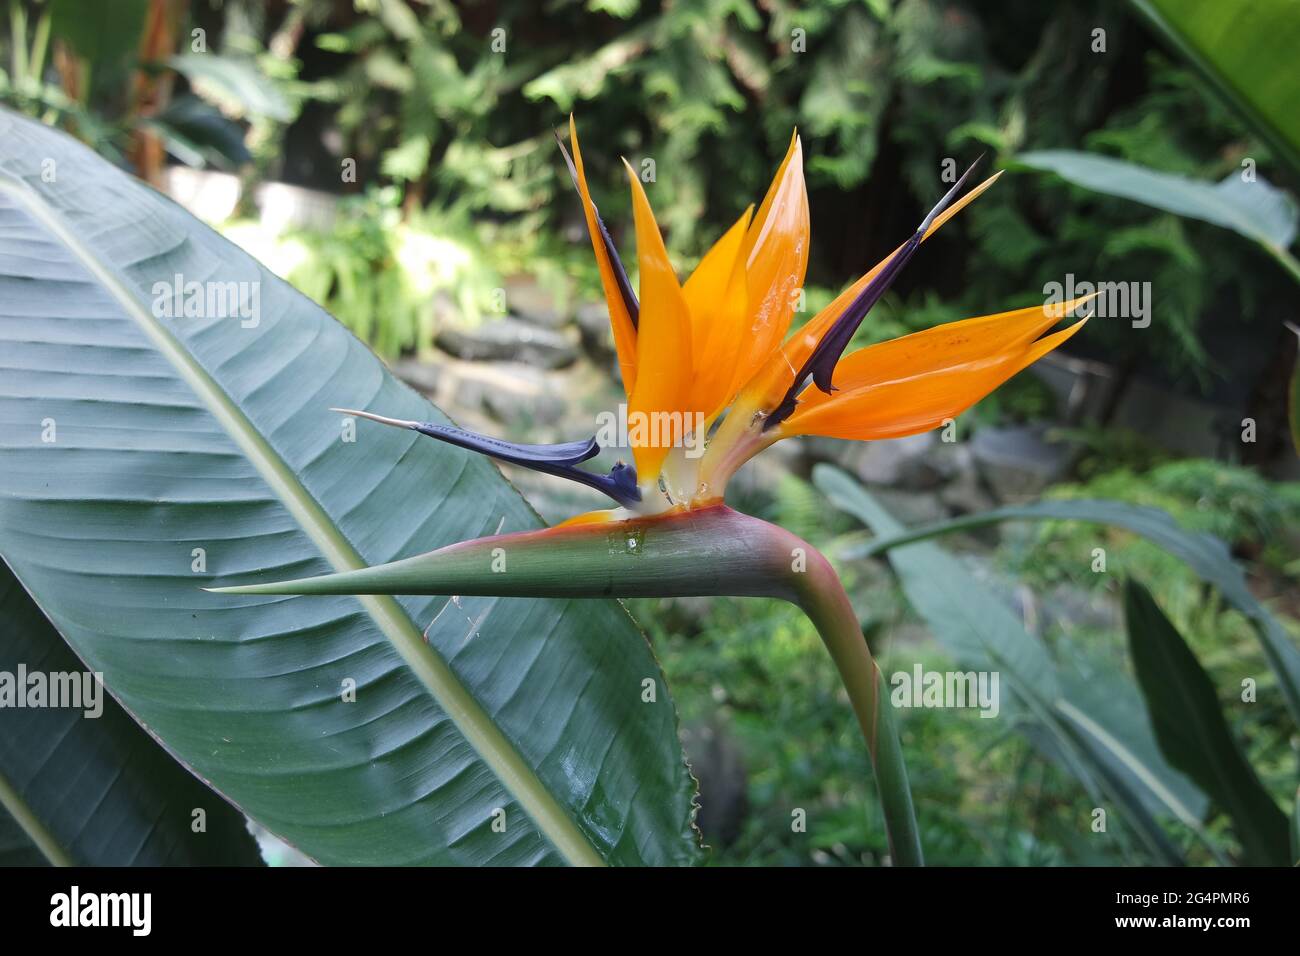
(713, 354)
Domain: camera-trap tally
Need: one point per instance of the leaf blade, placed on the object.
(1256, 210)
(1245, 50)
(126, 803)
(1192, 731)
(202, 432)
(1206, 555)
(1118, 760)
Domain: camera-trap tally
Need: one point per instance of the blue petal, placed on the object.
(565, 453)
(559, 460)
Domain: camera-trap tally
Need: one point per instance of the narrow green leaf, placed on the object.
(1253, 209)
(1112, 764)
(17, 846)
(1192, 731)
(1207, 556)
(86, 785)
(1099, 735)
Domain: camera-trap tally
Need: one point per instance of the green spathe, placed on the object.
(705, 551)
(709, 551)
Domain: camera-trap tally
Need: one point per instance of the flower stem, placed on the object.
(821, 596)
(711, 550)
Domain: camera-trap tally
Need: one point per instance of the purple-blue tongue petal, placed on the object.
(565, 453)
(559, 459)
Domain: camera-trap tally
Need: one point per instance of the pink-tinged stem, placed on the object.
(822, 598)
(706, 551)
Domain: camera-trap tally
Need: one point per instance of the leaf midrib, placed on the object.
(1134, 764)
(473, 722)
(12, 801)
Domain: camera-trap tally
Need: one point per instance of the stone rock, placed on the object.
(901, 462)
(446, 312)
(832, 451)
(523, 405)
(965, 495)
(508, 392)
(911, 507)
(964, 491)
(952, 460)
(1017, 462)
(912, 462)
(755, 484)
(592, 319)
(282, 206)
(508, 339)
(717, 762)
(423, 376)
(534, 303)
(1067, 606)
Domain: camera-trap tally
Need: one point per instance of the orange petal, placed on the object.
(960, 204)
(943, 347)
(624, 331)
(779, 372)
(905, 405)
(716, 297)
(776, 259)
(765, 207)
(660, 402)
(591, 517)
(805, 340)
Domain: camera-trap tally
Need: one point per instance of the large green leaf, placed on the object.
(1090, 722)
(16, 845)
(234, 83)
(91, 788)
(165, 436)
(1246, 50)
(1253, 209)
(1193, 733)
(1295, 829)
(1293, 399)
(1207, 556)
